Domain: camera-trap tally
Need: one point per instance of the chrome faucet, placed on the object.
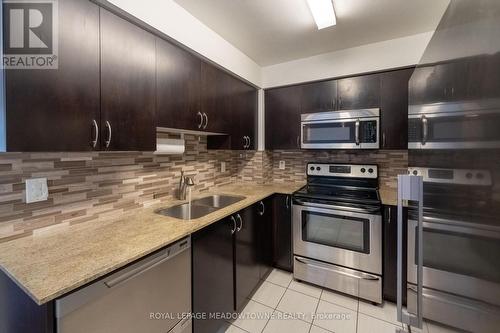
(184, 183)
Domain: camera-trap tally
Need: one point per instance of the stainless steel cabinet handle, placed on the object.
(357, 132)
(246, 142)
(108, 140)
(389, 215)
(263, 208)
(96, 135)
(383, 139)
(425, 130)
(410, 188)
(298, 141)
(452, 91)
(206, 120)
(241, 222)
(233, 230)
(287, 201)
(201, 119)
(249, 142)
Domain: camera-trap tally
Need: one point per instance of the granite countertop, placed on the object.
(51, 264)
(388, 196)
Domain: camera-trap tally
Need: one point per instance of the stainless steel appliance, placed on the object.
(456, 125)
(152, 295)
(337, 229)
(353, 129)
(460, 276)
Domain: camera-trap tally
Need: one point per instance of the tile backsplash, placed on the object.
(90, 185)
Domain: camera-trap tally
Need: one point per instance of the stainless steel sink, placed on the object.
(184, 212)
(199, 207)
(218, 201)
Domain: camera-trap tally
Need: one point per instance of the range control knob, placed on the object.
(479, 176)
(468, 175)
(312, 168)
(415, 172)
(370, 170)
(318, 168)
(363, 170)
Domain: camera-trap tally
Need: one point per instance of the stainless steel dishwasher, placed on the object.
(152, 295)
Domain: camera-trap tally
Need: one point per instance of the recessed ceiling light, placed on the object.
(323, 13)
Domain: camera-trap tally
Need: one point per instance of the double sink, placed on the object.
(199, 207)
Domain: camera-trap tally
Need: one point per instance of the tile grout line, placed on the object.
(316, 310)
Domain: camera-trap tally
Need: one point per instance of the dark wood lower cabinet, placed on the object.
(282, 232)
(246, 256)
(390, 241)
(18, 312)
(228, 267)
(213, 273)
(264, 211)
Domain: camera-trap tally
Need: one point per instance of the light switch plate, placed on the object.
(222, 166)
(282, 165)
(36, 190)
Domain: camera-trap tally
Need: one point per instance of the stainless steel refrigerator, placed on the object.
(452, 189)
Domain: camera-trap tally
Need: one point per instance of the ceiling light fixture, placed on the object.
(323, 13)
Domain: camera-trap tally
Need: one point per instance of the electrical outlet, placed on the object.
(282, 165)
(222, 166)
(36, 190)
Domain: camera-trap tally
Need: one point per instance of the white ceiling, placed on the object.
(276, 31)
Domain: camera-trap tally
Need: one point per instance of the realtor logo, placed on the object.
(30, 39)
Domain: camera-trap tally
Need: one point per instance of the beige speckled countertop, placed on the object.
(388, 196)
(52, 264)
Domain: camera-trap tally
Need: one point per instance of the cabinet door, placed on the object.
(427, 85)
(216, 94)
(390, 240)
(247, 269)
(394, 109)
(282, 108)
(127, 85)
(282, 225)
(54, 109)
(212, 274)
(358, 92)
(319, 96)
(264, 217)
(244, 115)
(178, 78)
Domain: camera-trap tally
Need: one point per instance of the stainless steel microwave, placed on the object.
(353, 129)
(460, 125)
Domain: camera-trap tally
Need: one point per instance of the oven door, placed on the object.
(352, 133)
(459, 258)
(454, 130)
(344, 238)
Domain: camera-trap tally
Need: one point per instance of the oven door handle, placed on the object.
(356, 275)
(357, 132)
(410, 188)
(327, 206)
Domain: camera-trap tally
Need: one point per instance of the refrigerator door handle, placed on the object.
(410, 188)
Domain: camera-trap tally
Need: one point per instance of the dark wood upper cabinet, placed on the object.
(216, 93)
(244, 115)
(319, 96)
(282, 109)
(358, 92)
(178, 84)
(394, 109)
(128, 85)
(54, 109)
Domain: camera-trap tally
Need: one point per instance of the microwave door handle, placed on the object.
(410, 188)
(357, 132)
(425, 130)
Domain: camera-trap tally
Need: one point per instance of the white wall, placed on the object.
(366, 58)
(174, 21)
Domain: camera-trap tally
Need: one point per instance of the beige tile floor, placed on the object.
(282, 305)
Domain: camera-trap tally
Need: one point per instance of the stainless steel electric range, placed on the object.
(337, 230)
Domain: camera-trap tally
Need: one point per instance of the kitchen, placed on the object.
(169, 166)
